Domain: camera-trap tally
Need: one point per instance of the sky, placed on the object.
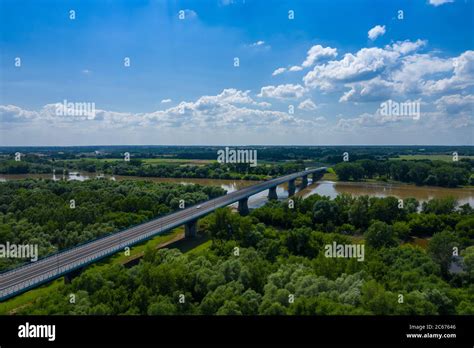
(237, 72)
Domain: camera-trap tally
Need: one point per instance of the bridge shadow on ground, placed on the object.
(182, 244)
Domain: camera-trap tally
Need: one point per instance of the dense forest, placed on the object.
(39, 211)
(420, 172)
(273, 262)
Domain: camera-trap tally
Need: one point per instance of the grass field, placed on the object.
(12, 305)
(330, 176)
(204, 246)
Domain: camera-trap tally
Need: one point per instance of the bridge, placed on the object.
(67, 262)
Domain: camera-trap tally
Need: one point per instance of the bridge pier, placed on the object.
(304, 181)
(272, 193)
(243, 206)
(190, 229)
(317, 176)
(291, 188)
(68, 277)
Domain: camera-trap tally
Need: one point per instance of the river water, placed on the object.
(326, 188)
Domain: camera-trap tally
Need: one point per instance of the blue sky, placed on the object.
(182, 87)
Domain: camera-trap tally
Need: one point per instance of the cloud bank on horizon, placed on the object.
(207, 74)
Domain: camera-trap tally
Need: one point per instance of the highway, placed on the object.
(46, 269)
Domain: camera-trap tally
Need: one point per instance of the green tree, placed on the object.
(384, 209)
(401, 229)
(425, 224)
(468, 260)
(358, 212)
(419, 172)
(162, 306)
(325, 211)
(343, 171)
(379, 234)
(445, 205)
(229, 308)
(377, 300)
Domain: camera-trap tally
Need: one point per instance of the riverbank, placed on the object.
(380, 189)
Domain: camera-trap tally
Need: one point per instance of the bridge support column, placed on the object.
(243, 206)
(272, 193)
(71, 275)
(304, 182)
(190, 229)
(291, 188)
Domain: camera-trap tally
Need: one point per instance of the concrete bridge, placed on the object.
(70, 262)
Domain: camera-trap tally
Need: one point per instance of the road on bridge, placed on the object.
(33, 274)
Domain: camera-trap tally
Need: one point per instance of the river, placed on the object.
(326, 188)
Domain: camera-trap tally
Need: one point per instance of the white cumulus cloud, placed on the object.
(307, 104)
(295, 68)
(396, 70)
(315, 53)
(287, 91)
(318, 52)
(278, 71)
